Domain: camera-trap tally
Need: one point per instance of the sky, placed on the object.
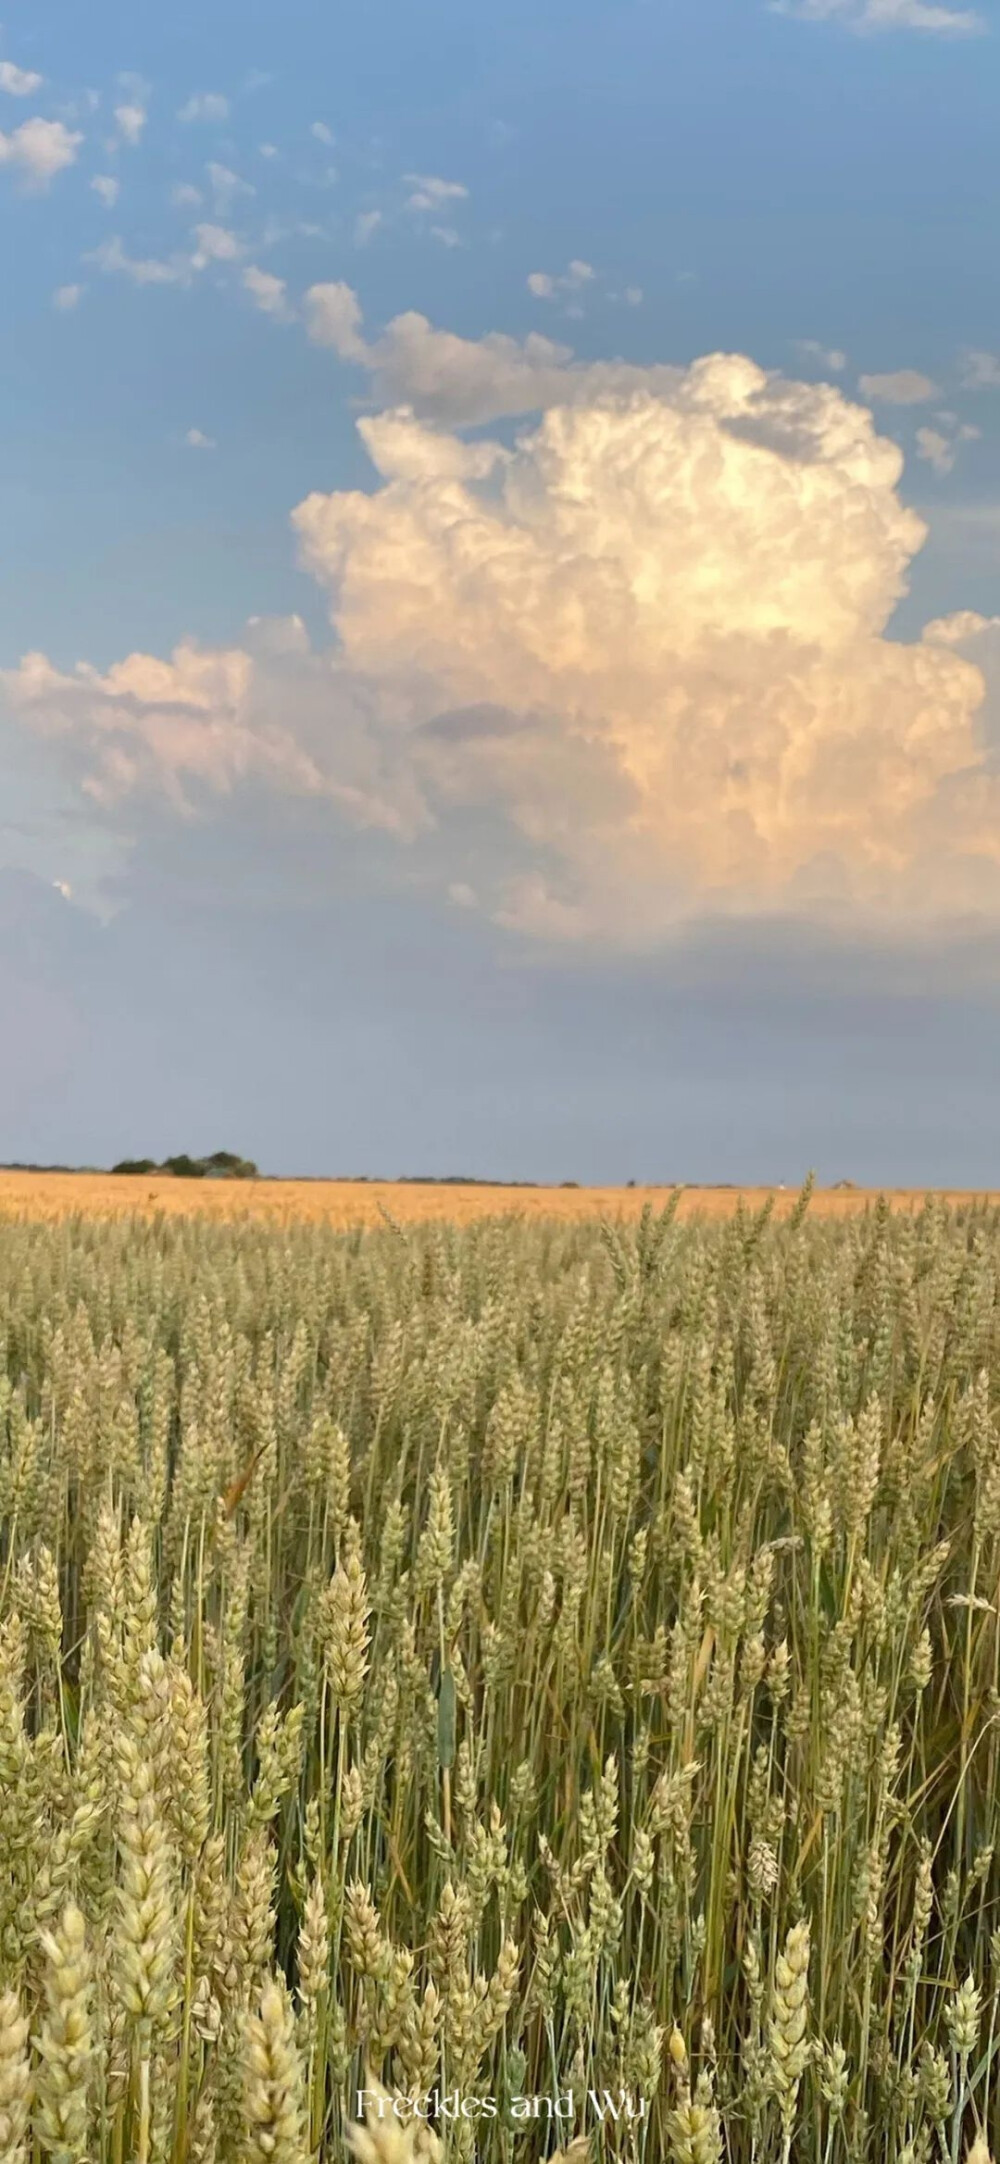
(499, 601)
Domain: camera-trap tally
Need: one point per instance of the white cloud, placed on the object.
(38, 150)
(365, 224)
(107, 188)
(322, 133)
(466, 380)
(547, 286)
(634, 296)
(936, 449)
(646, 649)
(269, 293)
(215, 244)
(185, 196)
(226, 186)
(18, 82)
(430, 193)
(939, 446)
(268, 150)
(203, 722)
(112, 257)
(66, 298)
(131, 122)
(204, 105)
(828, 356)
(870, 15)
(198, 440)
(980, 371)
(901, 387)
(334, 319)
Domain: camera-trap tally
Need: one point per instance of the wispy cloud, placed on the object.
(204, 105)
(811, 349)
(980, 371)
(18, 82)
(365, 224)
(899, 387)
(216, 244)
(198, 440)
(873, 15)
(66, 298)
(226, 186)
(939, 446)
(131, 121)
(107, 188)
(555, 286)
(268, 293)
(431, 193)
(113, 258)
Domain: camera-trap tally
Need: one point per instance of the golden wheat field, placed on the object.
(503, 1691)
(494, 1692)
(350, 1203)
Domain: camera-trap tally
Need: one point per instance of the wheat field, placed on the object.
(542, 1676)
(34, 1196)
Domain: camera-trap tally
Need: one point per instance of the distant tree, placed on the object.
(225, 1165)
(135, 1165)
(184, 1167)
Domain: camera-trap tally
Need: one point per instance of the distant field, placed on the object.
(50, 1195)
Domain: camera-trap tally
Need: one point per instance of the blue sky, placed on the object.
(478, 789)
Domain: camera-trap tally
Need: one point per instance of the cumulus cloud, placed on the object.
(322, 133)
(66, 298)
(872, 15)
(900, 387)
(18, 82)
(38, 150)
(107, 188)
(204, 105)
(270, 294)
(647, 646)
(198, 441)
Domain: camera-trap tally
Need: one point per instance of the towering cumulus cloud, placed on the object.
(647, 644)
